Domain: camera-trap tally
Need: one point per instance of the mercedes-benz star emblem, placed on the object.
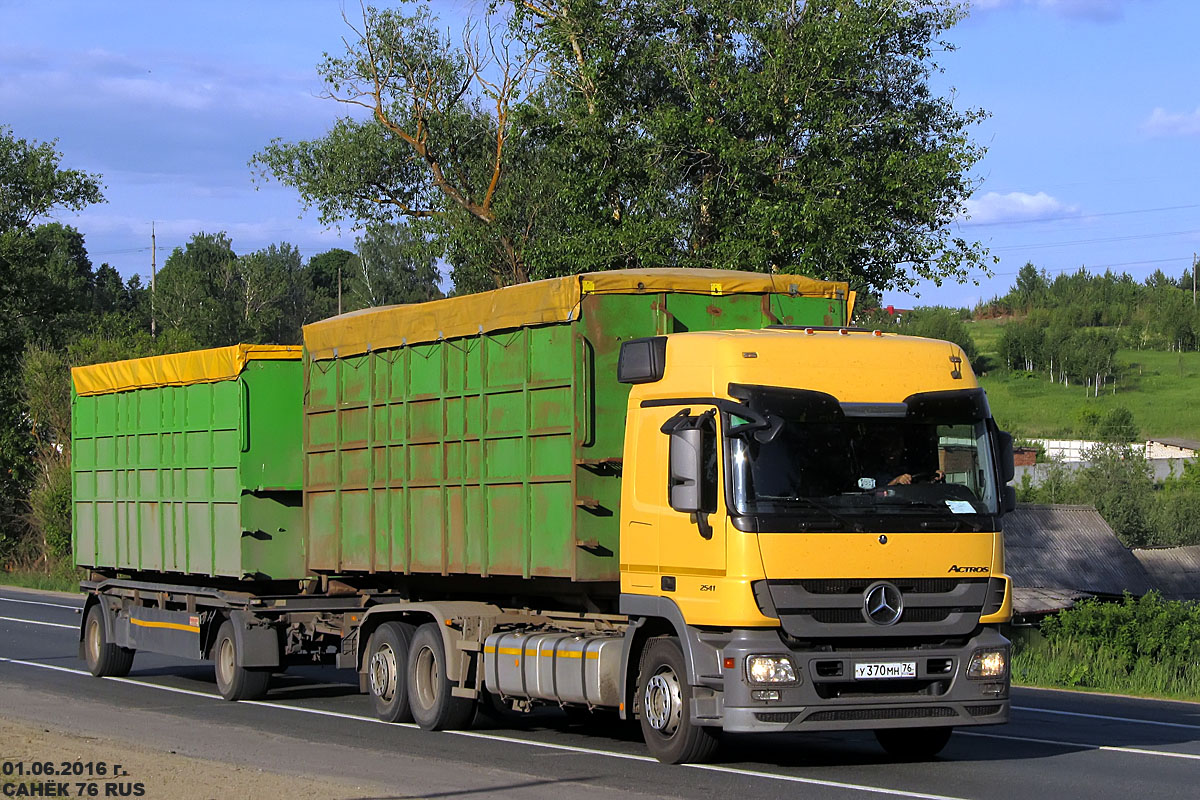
(883, 603)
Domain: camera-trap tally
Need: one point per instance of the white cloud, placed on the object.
(1094, 10)
(994, 208)
(1172, 123)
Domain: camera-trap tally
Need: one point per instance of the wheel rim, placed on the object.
(383, 673)
(225, 662)
(663, 702)
(426, 677)
(93, 640)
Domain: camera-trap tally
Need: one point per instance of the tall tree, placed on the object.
(752, 134)
(395, 264)
(33, 183)
(197, 290)
(45, 285)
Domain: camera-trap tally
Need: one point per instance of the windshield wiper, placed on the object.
(840, 519)
(945, 518)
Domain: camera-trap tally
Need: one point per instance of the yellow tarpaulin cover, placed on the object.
(537, 303)
(176, 369)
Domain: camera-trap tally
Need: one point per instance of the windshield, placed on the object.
(930, 456)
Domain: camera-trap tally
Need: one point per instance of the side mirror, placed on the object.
(687, 470)
(1008, 499)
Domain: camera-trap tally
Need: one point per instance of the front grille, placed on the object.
(848, 616)
(859, 714)
(859, 585)
(987, 710)
(776, 716)
(811, 608)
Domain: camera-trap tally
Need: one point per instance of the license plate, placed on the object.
(885, 669)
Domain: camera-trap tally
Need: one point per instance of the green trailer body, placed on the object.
(434, 445)
(200, 478)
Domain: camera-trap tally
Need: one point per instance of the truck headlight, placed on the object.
(987, 664)
(770, 669)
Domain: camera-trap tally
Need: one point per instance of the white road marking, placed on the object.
(510, 740)
(1084, 745)
(39, 622)
(629, 756)
(1186, 725)
(38, 603)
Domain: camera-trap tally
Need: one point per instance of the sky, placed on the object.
(1092, 139)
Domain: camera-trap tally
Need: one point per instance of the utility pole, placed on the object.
(339, 290)
(153, 275)
(1193, 279)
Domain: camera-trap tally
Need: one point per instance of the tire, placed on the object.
(387, 670)
(234, 682)
(104, 659)
(913, 744)
(665, 696)
(434, 707)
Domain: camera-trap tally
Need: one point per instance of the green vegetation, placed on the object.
(1147, 646)
(58, 577)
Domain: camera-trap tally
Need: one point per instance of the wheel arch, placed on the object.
(660, 616)
(419, 613)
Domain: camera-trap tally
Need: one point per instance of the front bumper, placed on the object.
(827, 697)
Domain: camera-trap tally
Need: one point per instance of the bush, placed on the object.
(50, 509)
(1177, 516)
(1117, 425)
(1141, 646)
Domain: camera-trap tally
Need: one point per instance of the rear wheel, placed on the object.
(104, 659)
(434, 707)
(235, 682)
(665, 695)
(913, 744)
(387, 662)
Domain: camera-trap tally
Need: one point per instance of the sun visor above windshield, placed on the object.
(959, 405)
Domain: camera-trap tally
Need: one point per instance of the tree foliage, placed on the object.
(756, 134)
(33, 184)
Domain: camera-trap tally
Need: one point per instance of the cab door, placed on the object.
(692, 543)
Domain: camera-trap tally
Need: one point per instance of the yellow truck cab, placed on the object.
(817, 513)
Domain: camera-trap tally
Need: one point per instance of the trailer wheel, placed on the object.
(913, 744)
(665, 695)
(104, 659)
(434, 707)
(234, 682)
(387, 663)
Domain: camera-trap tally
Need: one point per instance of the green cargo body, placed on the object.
(198, 480)
(498, 453)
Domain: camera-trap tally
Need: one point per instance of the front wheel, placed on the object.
(104, 659)
(235, 682)
(430, 692)
(666, 696)
(913, 744)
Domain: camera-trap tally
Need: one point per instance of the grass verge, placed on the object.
(53, 579)
(1069, 664)
(1143, 646)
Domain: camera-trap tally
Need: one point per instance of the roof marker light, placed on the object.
(877, 333)
(843, 332)
(809, 331)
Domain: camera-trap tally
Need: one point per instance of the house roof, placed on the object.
(1188, 444)
(1175, 571)
(1071, 549)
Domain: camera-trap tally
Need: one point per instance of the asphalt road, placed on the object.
(1059, 745)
